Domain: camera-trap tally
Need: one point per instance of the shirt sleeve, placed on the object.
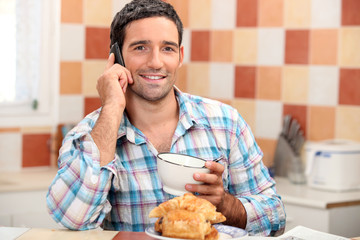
(250, 182)
(77, 197)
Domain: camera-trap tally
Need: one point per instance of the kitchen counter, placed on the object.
(27, 180)
(303, 195)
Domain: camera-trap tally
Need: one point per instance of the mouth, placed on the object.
(153, 77)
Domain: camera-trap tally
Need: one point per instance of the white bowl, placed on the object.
(177, 170)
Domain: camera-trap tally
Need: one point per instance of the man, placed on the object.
(107, 165)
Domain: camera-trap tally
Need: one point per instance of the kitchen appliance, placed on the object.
(333, 165)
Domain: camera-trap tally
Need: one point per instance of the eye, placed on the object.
(140, 48)
(169, 49)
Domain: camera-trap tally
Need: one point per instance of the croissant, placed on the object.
(187, 217)
(191, 203)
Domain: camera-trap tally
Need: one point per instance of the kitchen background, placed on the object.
(267, 58)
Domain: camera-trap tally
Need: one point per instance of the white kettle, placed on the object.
(333, 165)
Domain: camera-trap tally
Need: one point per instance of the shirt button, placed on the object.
(94, 179)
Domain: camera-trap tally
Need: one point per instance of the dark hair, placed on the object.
(139, 9)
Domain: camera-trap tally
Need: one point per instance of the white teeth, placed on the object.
(154, 77)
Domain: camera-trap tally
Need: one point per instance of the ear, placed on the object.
(181, 55)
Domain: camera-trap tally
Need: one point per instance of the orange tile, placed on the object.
(181, 80)
(70, 77)
(71, 11)
(8, 130)
(199, 14)
(245, 82)
(349, 92)
(321, 123)
(268, 147)
(36, 150)
(348, 123)
(350, 12)
(269, 83)
(97, 43)
(298, 112)
(271, 13)
(221, 46)
(246, 13)
(91, 104)
(182, 9)
(297, 47)
(323, 46)
(200, 46)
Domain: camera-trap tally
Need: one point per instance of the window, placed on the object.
(29, 62)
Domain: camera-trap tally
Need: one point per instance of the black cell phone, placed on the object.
(118, 56)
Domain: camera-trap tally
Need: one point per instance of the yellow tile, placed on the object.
(247, 109)
(199, 13)
(40, 129)
(350, 47)
(295, 84)
(221, 46)
(91, 72)
(245, 46)
(348, 123)
(199, 79)
(297, 13)
(98, 13)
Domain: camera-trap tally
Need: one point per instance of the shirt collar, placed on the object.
(189, 115)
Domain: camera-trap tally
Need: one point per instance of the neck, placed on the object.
(147, 115)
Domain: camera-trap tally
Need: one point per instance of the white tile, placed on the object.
(10, 151)
(271, 43)
(223, 15)
(268, 119)
(71, 108)
(323, 85)
(186, 42)
(72, 42)
(325, 13)
(117, 5)
(222, 80)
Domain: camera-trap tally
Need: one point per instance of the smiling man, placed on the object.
(107, 165)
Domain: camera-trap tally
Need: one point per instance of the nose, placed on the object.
(155, 60)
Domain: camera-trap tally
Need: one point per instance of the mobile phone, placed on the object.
(118, 56)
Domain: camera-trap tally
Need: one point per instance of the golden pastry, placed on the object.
(187, 217)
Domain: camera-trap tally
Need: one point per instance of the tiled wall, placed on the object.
(267, 58)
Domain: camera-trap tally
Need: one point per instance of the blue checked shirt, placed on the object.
(120, 195)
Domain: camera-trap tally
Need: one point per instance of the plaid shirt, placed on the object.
(120, 195)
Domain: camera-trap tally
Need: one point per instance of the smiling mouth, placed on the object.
(153, 77)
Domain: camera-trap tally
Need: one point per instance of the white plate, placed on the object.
(225, 232)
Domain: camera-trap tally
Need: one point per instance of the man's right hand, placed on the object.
(111, 87)
(113, 83)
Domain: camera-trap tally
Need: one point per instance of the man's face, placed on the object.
(152, 54)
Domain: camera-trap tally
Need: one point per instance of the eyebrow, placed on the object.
(145, 42)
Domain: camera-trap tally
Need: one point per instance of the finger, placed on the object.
(110, 62)
(215, 167)
(207, 178)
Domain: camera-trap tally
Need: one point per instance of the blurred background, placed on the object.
(267, 58)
